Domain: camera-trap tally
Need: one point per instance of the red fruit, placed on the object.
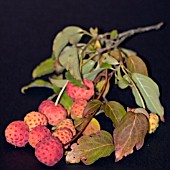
(16, 133)
(77, 109)
(54, 114)
(67, 123)
(76, 92)
(37, 134)
(33, 119)
(64, 135)
(49, 151)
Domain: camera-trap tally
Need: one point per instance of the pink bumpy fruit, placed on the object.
(37, 134)
(49, 151)
(76, 92)
(16, 133)
(54, 114)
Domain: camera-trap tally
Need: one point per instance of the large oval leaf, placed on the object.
(115, 111)
(150, 93)
(91, 148)
(136, 65)
(70, 34)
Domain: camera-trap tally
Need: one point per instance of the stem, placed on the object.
(84, 125)
(140, 30)
(124, 35)
(61, 92)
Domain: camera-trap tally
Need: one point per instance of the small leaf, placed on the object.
(91, 107)
(37, 83)
(113, 34)
(136, 65)
(123, 83)
(100, 85)
(115, 111)
(109, 59)
(92, 127)
(92, 75)
(66, 101)
(44, 68)
(58, 83)
(150, 93)
(129, 133)
(70, 60)
(128, 52)
(91, 148)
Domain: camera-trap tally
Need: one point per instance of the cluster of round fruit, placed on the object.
(50, 144)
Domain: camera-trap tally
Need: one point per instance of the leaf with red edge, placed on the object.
(129, 133)
(91, 107)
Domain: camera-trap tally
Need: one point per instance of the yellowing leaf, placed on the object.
(100, 85)
(129, 133)
(92, 127)
(136, 65)
(91, 148)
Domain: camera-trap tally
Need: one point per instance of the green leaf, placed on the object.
(137, 98)
(91, 148)
(87, 67)
(37, 83)
(115, 111)
(106, 58)
(70, 60)
(66, 101)
(72, 80)
(123, 82)
(129, 133)
(136, 65)
(44, 68)
(150, 93)
(91, 107)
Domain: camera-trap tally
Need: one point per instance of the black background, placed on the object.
(27, 30)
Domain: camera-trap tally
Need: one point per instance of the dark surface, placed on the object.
(27, 30)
